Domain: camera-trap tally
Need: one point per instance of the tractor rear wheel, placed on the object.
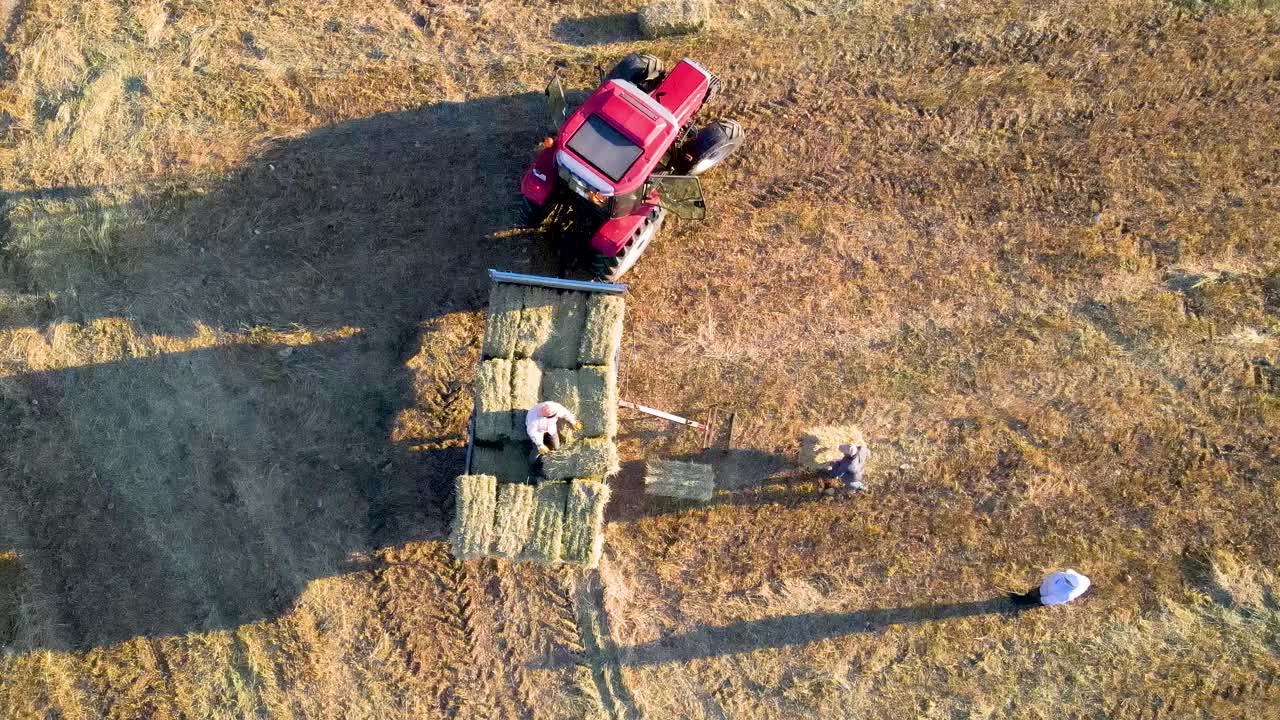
(611, 269)
(712, 145)
(642, 70)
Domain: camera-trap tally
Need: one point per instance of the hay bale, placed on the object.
(598, 398)
(493, 400)
(584, 522)
(685, 480)
(588, 457)
(512, 516)
(819, 445)
(508, 462)
(602, 333)
(561, 386)
(537, 319)
(661, 18)
(501, 326)
(526, 389)
(560, 350)
(474, 502)
(546, 532)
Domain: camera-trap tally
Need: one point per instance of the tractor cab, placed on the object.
(626, 156)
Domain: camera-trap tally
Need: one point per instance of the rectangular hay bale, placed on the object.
(685, 480)
(561, 347)
(526, 391)
(508, 462)
(512, 517)
(546, 535)
(598, 396)
(602, 332)
(493, 400)
(503, 322)
(537, 320)
(561, 386)
(584, 522)
(819, 446)
(587, 457)
(474, 501)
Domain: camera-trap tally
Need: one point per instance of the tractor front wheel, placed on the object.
(529, 215)
(643, 71)
(713, 143)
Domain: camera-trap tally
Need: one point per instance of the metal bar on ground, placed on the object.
(664, 415)
(557, 283)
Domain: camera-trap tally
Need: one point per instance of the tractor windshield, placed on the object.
(608, 150)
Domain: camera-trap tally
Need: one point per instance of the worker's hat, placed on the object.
(547, 411)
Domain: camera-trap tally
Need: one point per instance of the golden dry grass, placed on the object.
(1029, 249)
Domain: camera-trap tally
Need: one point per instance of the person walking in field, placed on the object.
(1057, 589)
(543, 424)
(848, 470)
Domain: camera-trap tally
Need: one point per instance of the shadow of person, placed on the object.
(181, 485)
(778, 632)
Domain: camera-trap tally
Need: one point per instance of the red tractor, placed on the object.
(626, 157)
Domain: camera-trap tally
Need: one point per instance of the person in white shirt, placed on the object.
(1057, 589)
(543, 424)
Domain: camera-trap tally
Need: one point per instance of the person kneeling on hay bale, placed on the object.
(1057, 589)
(543, 424)
(849, 468)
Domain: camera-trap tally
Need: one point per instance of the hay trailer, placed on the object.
(545, 338)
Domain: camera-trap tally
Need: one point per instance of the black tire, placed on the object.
(529, 215)
(713, 143)
(643, 71)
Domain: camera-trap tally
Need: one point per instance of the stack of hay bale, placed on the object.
(556, 521)
(542, 344)
(683, 480)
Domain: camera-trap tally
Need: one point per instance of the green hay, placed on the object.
(598, 395)
(526, 387)
(561, 348)
(508, 462)
(547, 525)
(588, 457)
(503, 323)
(602, 332)
(493, 400)
(561, 386)
(474, 502)
(537, 319)
(685, 480)
(584, 522)
(819, 445)
(512, 519)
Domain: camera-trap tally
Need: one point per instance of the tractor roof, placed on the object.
(619, 134)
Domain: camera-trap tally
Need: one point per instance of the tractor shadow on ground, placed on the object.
(598, 29)
(202, 489)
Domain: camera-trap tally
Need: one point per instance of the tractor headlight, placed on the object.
(596, 197)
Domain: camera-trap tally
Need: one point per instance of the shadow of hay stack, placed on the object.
(169, 493)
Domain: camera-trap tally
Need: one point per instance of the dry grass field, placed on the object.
(1031, 248)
